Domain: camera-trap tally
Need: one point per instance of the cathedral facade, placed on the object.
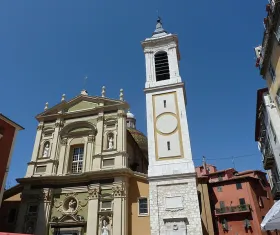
(88, 171)
(93, 173)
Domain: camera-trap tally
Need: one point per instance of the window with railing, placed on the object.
(77, 159)
(272, 72)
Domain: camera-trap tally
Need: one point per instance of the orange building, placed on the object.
(239, 200)
(8, 132)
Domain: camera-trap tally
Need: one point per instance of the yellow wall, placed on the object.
(205, 209)
(141, 224)
(275, 61)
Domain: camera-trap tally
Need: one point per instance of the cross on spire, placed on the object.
(159, 28)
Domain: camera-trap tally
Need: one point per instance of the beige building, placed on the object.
(87, 174)
(267, 131)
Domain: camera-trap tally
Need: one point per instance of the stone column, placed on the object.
(62, 157)
(92, 218)
(98, 142)
(119, 208)
(43, 213)
(21, 215)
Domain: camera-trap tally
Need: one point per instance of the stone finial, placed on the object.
(103, 91)
(84, 92)
(46, 106)
(121, 94)
(63, 97)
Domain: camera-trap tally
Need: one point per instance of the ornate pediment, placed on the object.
(81, 104)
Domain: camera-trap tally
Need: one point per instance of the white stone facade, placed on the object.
(184, 206)
(174, 206)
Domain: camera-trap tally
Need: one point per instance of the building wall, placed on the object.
(6, 144)
(253, 192)
(205, 208)
(138, 225)
(12, 203)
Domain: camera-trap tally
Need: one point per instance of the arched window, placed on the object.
(162, 66)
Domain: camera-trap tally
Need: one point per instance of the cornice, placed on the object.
(42, 160)
(77, 178)
(164, 87)
(173, 177)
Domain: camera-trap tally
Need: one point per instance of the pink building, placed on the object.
(239, 200)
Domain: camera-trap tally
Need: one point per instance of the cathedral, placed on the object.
(93, 173)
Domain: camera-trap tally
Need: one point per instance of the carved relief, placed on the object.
(118, 191)
(91, 138)
(93, 193)
(70, 205)
(100, 118)
(59, 124)
(64, 141)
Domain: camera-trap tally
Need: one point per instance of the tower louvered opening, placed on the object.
(162, 66)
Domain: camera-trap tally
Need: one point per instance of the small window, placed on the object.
(220, 189)
(220, 177)
(143, 206)
(238, 185)
(106, 205)
(247, 223)
(77, 160)
(12, 216)
(41, 169)
(32, 210)
(242, 201)
(222, 204)
(272, 72)
(162, 66)
(168, 145)
(108, 162)
(164, 103)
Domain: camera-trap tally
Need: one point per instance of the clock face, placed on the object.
(166, 123)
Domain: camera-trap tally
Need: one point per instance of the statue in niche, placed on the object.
(29, 228)
(46, 150)
(110, 142)
(71, 205)
(105, 229)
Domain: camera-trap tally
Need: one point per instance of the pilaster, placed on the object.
(37, 141)
(120, 220)
(89, 153)
(98, 142)
(62, 156)
(58, 126)
(92, 224)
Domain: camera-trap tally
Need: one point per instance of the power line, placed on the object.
(232, 157)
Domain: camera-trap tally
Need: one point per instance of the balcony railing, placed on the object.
(232, 209)
(276, 191)
(268, 161)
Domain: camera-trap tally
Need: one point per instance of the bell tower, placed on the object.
(174, 203)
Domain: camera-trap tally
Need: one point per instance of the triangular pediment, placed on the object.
(82, 103)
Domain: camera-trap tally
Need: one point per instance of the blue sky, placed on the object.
(48, 46)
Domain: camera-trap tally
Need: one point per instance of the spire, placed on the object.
(159, 29)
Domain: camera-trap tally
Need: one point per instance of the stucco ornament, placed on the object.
(70, 205)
